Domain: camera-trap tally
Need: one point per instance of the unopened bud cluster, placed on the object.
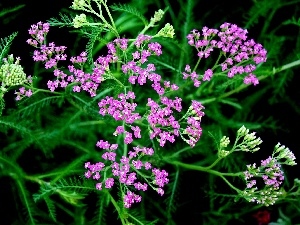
(285, 154)
(78, 4)
(250, 142)
(79, 20)
(166, 31)
(11, 73)
(158, 15)
(224, 142)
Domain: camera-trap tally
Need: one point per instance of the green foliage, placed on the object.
(131, 10)
(93, 37)
(5, 44)
(71, 190)
(293, 21)
(63, 20)
(36, 104)
(6, 11)
(171, 200)
(260, 8)
(51, 208)
(101, 209)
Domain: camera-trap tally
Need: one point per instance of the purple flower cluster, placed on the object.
(163, 124)
(122, 110)
(272, 176)
(161, 117)
(269, 170)
(119, 109)
(38, 32)
(88, 81)
(194, 130)
(140, 73)
(50, 54)
(193, 75)
(22, 93)
(125, 172)
(241, 54)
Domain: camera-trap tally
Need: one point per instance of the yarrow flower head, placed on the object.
(241, 55)
(271, 174)
(12, 74)
(163, 124)
(124, 171)
(38, 32)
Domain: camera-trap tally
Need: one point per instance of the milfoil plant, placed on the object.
(131, 112)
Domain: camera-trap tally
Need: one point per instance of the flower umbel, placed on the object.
(126, 171)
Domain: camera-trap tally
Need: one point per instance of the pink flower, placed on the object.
(207, 75)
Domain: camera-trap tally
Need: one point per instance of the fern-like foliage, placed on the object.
(260, 8)
(93, 37)
(7, 123)
(131, 10)
(293, 21)
(31, 211)
(173, 189)
(2, 105)
(63, 21)
(13, 9)
(72, 190)
(35, 105)
(51, 208)
(101, 209)
(136, 217)
(5, 44)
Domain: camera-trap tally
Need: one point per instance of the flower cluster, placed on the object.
(139, 72)
(78, 4)
(194, 130)
(167, 31)
(193, 75)
(12, 74)
(250, 142)
(158, 15)
(285, 154)
(125, 172)
(119, 109)
(38, 32)
(122, 110)
(242, 55)
(79, 21)
(272, 175)
(88, 81)
(159, 118)
(136, 69)
(50, 54)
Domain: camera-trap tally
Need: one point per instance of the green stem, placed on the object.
(206, 169)
(42, 90)
(199, 59)
(214, 163)
(110, 17)
(113, 201)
